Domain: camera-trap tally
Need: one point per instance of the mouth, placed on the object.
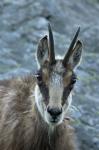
(54, 121)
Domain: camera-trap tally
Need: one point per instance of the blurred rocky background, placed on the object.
(24, 22)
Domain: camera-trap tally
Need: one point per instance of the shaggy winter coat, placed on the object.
(21, 126)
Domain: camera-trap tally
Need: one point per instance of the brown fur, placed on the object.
(21, 126)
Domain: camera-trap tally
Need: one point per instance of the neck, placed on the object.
(44, 134)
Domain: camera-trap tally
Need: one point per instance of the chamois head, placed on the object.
(55, 78)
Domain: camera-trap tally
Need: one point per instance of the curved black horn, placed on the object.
(51, 46)
(70, 50)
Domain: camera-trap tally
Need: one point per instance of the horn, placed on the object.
(51, 46)
(70, 50)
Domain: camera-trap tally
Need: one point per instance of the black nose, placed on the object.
(54, 112)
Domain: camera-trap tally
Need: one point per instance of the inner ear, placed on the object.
(76, 55)
(42, 51)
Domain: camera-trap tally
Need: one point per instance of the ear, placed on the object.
(42, 51)
(76, 55)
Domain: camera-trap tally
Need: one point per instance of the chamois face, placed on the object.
(55, 80)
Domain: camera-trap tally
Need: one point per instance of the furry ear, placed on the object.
(76, 55)
(42, 51)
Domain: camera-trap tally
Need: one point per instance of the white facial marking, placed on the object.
(67, 106)
(55, 90)
(39, 102)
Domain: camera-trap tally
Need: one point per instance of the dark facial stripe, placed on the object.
(45, 92)
(66, 93)
(42, 86)
(69, 88)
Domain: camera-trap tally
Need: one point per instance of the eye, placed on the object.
(73, 79)
(38, 76)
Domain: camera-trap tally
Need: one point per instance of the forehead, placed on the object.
(58, 68)
(57, 73)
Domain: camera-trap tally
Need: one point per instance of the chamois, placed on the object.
(33, 108)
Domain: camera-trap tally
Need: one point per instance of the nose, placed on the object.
(54, 111)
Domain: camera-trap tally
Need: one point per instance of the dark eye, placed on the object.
(39, 77)
(73, 79)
